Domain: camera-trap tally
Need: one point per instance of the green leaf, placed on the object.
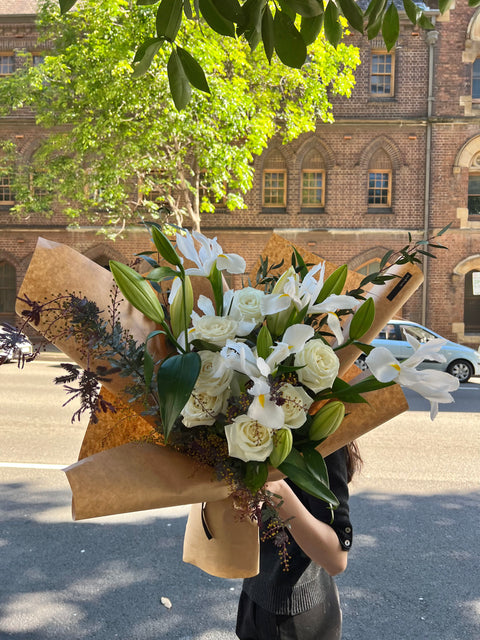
(216, 280)
(370, 384)
(302, 268)
(176, 378)
(164, 247)
(444, 5)
(146, 3)
(193, 70)
(333, 284)
(178, 81)
(362, 319)
(267, 33)
(306, 8)
(331, 23)
(253, 12)
(215, 19)
(229, 9)
(473, 3)
(264, 342)
(385, 259)
(315, 464)
(425, 22)
(66, 5)
(352, 13)
(289, 44)
(310, 28)
(137, 291)
(161, 273)
(169, 18)
(256, 474)
(306, 481)
(390, 26)
(145, 55)
(445, 229)
(412, 10)
(148, 366)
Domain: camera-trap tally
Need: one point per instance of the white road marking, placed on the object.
(30, 465)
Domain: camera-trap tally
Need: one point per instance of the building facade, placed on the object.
(403, 156)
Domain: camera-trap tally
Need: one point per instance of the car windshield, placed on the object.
(421, 334)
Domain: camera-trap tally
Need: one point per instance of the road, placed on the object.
(413, 569)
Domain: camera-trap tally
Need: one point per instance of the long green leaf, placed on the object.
(161, 273)
(176, 378)
(473, 3)
(256, 475)
(215, 19)
(362, 319)
(316, 464)
(390, 26)
(137, 291)
(412, 10)
(267, 33)
(66, 5)
(310, 28)
(333, 284)
(193, 70)
(444, 5)
(229, 9)
(164, 247)
(308, 483)
(289, 44)
(306, 8)
(331, 23)
(178, 81)
(144, 55)
(352, 13)
(169, 18)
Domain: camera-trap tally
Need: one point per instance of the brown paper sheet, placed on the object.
(138, 476)
(232, 552)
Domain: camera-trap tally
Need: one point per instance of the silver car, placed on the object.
(13, 343)
(462, 362)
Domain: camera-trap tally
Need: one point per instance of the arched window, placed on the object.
(8, 288)
(471, 308)
(380, 180)
(313, 180)
(474, 187)
(369, 267)
(274, 181)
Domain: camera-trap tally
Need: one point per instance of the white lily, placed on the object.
(329, 306)
(209, 254)
(434, 386)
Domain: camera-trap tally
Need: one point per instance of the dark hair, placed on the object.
(354, 459)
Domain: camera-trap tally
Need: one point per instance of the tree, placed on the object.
(285, 27)
(115, 147)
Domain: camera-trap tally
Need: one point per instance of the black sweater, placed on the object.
(304, 584)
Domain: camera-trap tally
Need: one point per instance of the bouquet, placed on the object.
(247, 382)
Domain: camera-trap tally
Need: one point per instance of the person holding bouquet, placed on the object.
(300, 601)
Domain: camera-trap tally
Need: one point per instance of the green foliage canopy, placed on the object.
(114, 147)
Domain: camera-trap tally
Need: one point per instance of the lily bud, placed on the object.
(181, 307)
(327, 420)
(282, 445)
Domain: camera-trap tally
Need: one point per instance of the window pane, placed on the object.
(6, 65)
(8, 287)
(381, 74)
(476, 79)
(6, 194)
(378, 188)
(274, 188)
(474, 194)
(312, 188)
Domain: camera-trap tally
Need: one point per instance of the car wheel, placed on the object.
(461, 369)
(360, 362)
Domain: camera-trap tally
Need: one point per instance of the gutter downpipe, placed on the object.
(431, 39)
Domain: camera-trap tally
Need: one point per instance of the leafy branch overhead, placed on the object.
(285, 27)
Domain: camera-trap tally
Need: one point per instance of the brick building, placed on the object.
(402, 156)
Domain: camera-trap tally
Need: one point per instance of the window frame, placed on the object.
(312, 205)
(4, 187)
(382, 205)
(391, 75)
(474, 216)
(7, 54)
(273, 205)
(8, 287)
(475, 76)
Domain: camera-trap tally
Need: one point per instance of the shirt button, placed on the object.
(348, 530)
(347, 543)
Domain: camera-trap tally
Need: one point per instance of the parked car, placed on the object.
(13, 343)
(462, 362)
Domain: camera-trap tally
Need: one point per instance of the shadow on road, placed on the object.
(414, 567)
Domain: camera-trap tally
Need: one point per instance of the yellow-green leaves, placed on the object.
(327, 420)
(137, 291)
(264, 342)
(362, 320)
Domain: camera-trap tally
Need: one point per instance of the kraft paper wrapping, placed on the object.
(115, 474)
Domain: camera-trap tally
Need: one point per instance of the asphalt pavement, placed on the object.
(413, 571)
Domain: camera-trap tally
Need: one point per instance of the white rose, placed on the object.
(214, 376)
(297, 403)
(203, 409)
(246, 305)
(320, 365)
(248, 439)
(215, 329)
